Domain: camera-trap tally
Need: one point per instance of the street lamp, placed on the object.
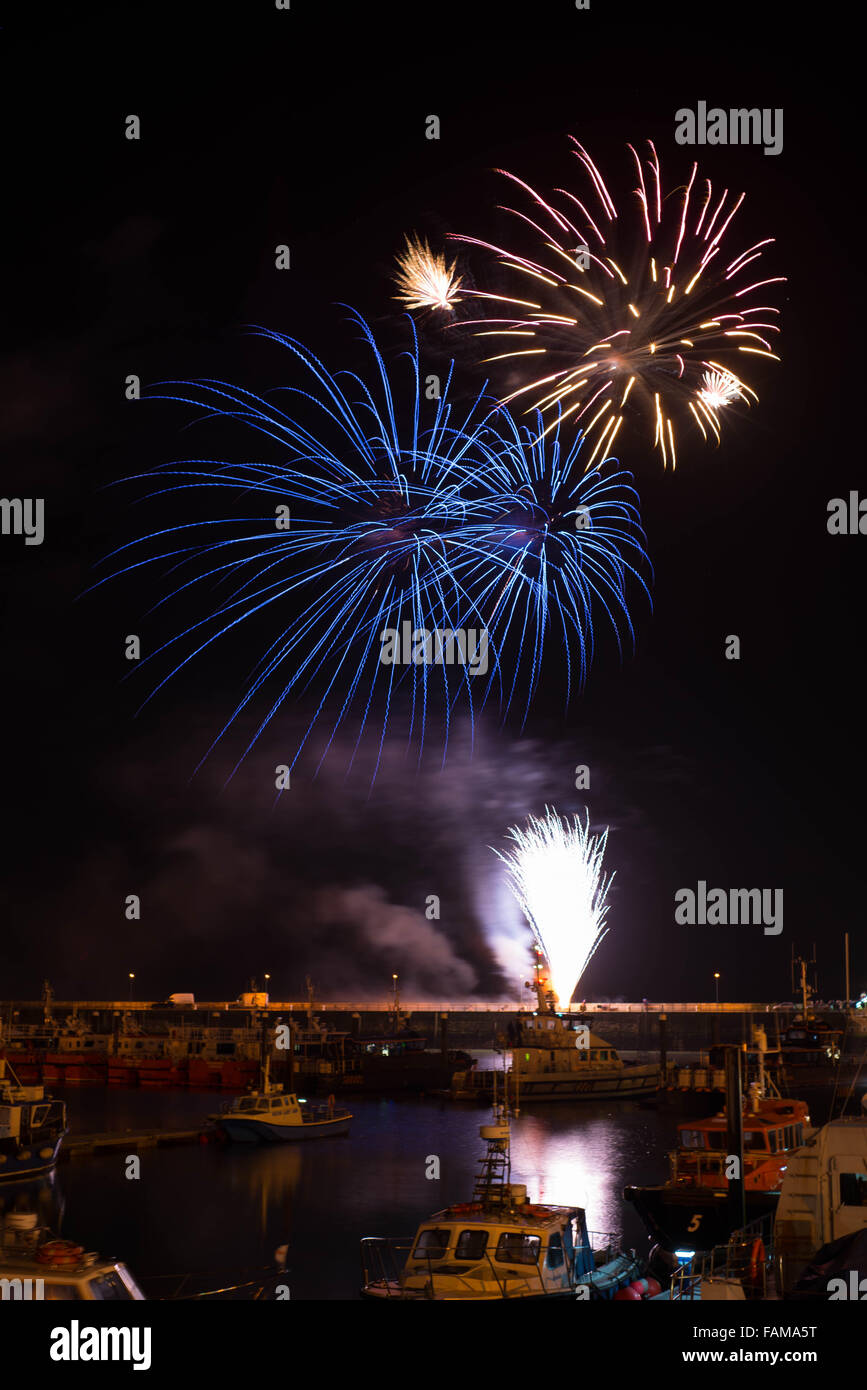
(716, 980)
(267, 978)
(131, 978)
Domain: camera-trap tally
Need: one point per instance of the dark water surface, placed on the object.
(219, 1210)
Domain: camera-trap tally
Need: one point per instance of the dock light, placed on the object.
(684, 1255)
(716, 980)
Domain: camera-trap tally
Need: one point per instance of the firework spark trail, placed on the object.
(553, 544)
(444, 524)
(424, 279)
(555, 873)
(611, 331)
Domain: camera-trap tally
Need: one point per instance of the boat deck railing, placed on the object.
(319, 1113)
(604, 1246)
(261, 1285)
(746, 1257)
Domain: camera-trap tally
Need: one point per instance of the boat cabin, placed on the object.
(773, 1126)
(772, 1129)
(101, 1283)
(546, 1042)
(274, 1105)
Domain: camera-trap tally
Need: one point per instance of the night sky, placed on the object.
(307, 127)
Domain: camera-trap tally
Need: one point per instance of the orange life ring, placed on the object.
(60, 1252)
(757, 1259)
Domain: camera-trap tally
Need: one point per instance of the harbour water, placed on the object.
(221, 1211)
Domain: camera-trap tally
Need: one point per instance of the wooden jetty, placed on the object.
(130, 1141)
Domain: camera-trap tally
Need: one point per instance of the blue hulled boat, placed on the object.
(32, 1128)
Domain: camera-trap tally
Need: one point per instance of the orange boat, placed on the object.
(690, 1211)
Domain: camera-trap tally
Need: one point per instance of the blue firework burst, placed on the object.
(387, 520)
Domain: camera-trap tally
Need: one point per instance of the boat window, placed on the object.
(853, 1189)
(516, 1248)
(38, 1116)
(60, 1293)
(755, 1139)
(109, 1287)
(692, 1138)
(773, 1135)
(246, 1103)
(714, 1139)
(471, 1245)
(432, 1243)
(554, 1258)
(790, 1136)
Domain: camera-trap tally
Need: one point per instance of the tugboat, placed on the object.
(36, 1266)
(499, 1245)
(32, 1128)
(268, 1116)
(690, 1211)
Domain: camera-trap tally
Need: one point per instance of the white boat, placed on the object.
(35, 1266)
(498, 1246)
(823, 1197)
(271, 1117)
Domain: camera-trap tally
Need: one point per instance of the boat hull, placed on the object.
(252, 1131)
(569, 1085)
(693, 1218)
(30, 1162)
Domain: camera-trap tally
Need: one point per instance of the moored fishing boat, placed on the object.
(690, 1211)
(269, 1116)
(32, 1127)
(499, 1245)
